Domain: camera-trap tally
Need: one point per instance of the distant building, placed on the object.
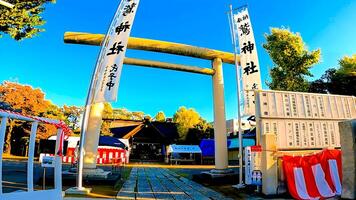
(148, 140)
(248, 134)
(232, 126)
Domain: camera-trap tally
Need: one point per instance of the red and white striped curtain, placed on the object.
(314, 176)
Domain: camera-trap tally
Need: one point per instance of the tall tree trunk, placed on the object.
(7, 146)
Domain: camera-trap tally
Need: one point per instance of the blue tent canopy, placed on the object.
(110, 141)
(207, 147)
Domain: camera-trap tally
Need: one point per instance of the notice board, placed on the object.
(302, 120)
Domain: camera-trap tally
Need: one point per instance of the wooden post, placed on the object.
(269, 165)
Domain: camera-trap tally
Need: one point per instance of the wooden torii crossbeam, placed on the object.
(153, 45)
(157, 46)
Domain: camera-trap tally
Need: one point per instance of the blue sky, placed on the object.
(63, 71)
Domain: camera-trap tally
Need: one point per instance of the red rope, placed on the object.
(65, 129)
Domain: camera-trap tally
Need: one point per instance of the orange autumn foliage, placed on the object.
(23, 98)
(28, 101)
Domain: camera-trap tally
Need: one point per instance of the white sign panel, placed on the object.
(298, 133)
(303, 120)
(112, 54)
(47, 161)
(251, 76)
(280, 104)
(183, 149)
(253, 165)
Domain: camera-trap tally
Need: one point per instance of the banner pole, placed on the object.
(232, 27)
(97, 75)
(86, 114)
(84, 128)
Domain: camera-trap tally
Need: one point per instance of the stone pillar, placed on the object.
(348, 148)
(220, 137)
(92, 135)
(269, 165)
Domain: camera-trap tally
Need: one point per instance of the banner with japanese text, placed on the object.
(251, 77)
(112, 54)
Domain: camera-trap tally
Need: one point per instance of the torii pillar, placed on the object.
(220, 137)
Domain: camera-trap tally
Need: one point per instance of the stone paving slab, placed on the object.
(197, 187)
(127, 190)
(159, 183)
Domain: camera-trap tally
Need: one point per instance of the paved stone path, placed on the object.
(160, 183)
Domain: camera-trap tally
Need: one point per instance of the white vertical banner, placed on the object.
(112, 54)
(251, 76)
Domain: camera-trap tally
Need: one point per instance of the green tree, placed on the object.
(160, 117)
(347, 66)
(105, 126)
(52, 112)
(338, 81)
(185, 120)
(137, 115)
(72, 115)
(199, 131)
(291, 59)
(203, 125)
(24, 20)
(108, 110)
(121, 113)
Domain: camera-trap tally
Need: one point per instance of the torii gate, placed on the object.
(217, 58)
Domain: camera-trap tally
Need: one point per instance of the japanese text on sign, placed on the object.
(251, 77)
(303, 120)
(112, 54)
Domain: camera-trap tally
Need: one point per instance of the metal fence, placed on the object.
(55, 193)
